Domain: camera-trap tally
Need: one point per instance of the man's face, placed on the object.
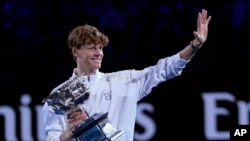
(89, 57)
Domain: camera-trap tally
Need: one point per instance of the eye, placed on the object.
(91, 48)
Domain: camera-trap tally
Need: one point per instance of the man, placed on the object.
(118, 92)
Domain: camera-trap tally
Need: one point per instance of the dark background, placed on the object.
(34, 56)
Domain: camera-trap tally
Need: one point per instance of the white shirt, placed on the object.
(118, 94)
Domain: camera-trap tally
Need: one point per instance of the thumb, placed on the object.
(196, 35)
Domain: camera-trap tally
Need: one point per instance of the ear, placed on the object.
(74, 51)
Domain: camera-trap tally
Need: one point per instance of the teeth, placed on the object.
(96, 60)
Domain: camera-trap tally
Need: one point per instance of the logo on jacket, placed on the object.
(107, 96)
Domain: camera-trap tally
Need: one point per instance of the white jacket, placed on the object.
(118, 94)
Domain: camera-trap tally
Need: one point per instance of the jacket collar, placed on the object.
(91, 78)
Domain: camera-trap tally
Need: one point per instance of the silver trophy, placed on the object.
(72, 94)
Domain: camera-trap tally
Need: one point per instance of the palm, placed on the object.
(202, 27)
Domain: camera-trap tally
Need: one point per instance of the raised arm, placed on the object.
(200, 36)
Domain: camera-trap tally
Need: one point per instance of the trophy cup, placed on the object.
(72, 94)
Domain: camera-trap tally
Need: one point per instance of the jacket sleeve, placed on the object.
(54, 124)
(165, 69)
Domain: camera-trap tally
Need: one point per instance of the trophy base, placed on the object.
(116, 135)
(97, 128)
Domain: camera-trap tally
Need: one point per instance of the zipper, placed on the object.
(88, 78)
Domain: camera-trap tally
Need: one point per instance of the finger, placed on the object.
(204, 15)
(198, 19)
(73, 125)
(71, 112)
(70, 121)
(208, 20)
(84, 116)
(74, 113)
(81, 117)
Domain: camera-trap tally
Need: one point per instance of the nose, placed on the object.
(98, 52)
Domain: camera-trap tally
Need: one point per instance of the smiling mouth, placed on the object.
(97, 60)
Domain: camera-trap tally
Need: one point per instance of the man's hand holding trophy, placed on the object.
(69, 99)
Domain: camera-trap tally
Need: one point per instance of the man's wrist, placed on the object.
(193, 47)
(66, 135)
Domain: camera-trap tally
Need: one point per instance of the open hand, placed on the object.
(202, 29)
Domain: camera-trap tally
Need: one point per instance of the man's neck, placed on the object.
(77, 71)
